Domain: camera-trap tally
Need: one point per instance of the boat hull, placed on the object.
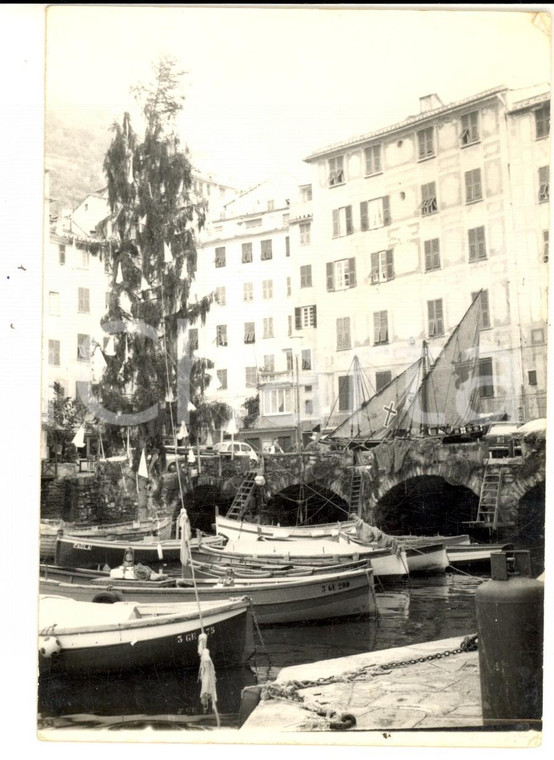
(172, 642)
(126, 531)
(473, 554)
(431, 558)
(292, 600)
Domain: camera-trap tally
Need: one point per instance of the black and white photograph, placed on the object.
(290, 428)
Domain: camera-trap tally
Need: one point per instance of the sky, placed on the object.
(266, 86)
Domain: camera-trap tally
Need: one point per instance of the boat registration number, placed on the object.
(193, 635)
(335, 586)
(87, 547)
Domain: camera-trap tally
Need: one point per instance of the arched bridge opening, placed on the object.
(530, 523)
(426, 505)
(305, 503)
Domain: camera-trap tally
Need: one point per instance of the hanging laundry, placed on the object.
(79, 439)
(143, 468)
(182, 432)
(119, 276)
(144, 284)
(110, 347)
(125, 302)
(168, 258)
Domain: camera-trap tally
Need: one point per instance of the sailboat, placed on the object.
(426, 398)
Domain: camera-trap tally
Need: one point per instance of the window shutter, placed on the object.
(349, 226)
(336, 225)
(386, 210)
(330, 278)
(315, 316)
(352, 272)
(375, 265)
(390, 265)
(364, 223)
(297, 318)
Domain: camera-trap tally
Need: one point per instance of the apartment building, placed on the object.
(406, 224)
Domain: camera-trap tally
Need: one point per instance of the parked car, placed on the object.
(238, 449)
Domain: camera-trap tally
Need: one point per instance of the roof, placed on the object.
(416, 119)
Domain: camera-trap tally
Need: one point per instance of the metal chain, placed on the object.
(258, 631)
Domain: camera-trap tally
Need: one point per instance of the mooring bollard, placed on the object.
(510, 612)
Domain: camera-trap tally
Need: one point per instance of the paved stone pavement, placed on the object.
(435, 694)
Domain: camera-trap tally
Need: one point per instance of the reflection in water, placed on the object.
(424, 609)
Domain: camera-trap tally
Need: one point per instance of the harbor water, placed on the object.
(422, 609)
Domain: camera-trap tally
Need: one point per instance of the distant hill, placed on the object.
(74, 154)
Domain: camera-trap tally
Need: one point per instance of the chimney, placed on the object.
(429, 103)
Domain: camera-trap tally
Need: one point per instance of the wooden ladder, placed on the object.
(242, 496)
(488, 511)
(355, 491)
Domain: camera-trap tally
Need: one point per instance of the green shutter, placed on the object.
(352, 272)
(330, 278)
(297, 318)
(364, 223)
(386, 210)
(349, 226)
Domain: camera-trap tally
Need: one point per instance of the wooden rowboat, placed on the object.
(80, 636)
(123, 531)
(473, 554)
(97, 552)
(274, 600)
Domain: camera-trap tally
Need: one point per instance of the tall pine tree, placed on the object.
(153, 260)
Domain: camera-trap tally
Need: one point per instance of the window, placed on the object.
(306, 193)
(336, 171)
(305, 316)
(222, 377)
(425, 143)
(381, 379)
(193, 339)
(428, 203)
(249, 332)
(267, 288)
(61, 254)
(85, 259)
(306, 358)
(289, 319)
(532, 375)
(342, 221)
(269, 363)
(54, 303)
(432, 254)
(220, 257)
(341, 274)
(343, 333)
(268, 327)
(54, 352)
(375, 213)
(477, 246)
(474, 191)
(373, 160)
(544, 181)
(83, 300)
(248, 291)
(306, 276)
(289, 359)
(271, 205)
(267, 250)
(435, 318)
(382, 266)
(221, 335)
(278, 401)
(83, 347)
(286, 218)
(537, 336)
(485, 311)
(486, 386)
(308, 406)
(253, 222)
(380, 327)
(250, 377)
(220, 296)
(470, 128)
(246, 253)
(304, 228)
(545, 244)
(345, 393)
(542, 121)
(287, 246)
(288, 286)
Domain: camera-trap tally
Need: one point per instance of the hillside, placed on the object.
(74, 154)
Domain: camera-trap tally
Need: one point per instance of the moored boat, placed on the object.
(427, 558)
(77, 636)
(274, 601)
(96, 552)
(473, 554)
(123, 531)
